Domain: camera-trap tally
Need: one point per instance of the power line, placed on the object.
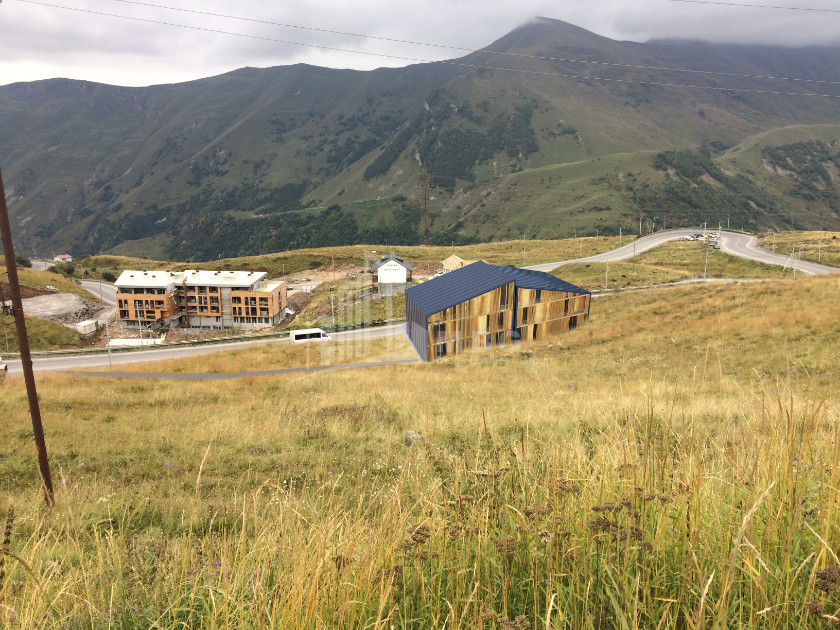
(446, 62)
(756, 6)
(471, 50)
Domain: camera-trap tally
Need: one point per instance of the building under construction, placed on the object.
(199, 299)
(482, 305)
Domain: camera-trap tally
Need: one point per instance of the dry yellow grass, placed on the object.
(822, 247)
(502, 253)
(674, 463)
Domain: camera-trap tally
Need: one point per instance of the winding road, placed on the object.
(160, 353)
(734, 243)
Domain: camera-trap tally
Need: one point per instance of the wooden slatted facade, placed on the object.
(484, 305)
(541, 313)
(485, 320)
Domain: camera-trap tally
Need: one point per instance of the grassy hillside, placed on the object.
(513, 252)
(673, 463)
(37, 279)
(42, 335)
(818, 247)
(671, 262)
(520, 145)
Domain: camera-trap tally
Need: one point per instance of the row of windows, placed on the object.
(251, 320)
(250, 310)
(139, 314)
(143, 291)
(252, 301)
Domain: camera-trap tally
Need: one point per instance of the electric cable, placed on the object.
(430, 61)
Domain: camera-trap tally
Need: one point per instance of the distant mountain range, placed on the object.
(550, 131)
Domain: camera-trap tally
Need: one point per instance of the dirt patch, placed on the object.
(64, 308)
(297, 302)
(181, 334)
(25, 292)
(323, 274)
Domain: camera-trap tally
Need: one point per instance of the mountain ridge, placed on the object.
(90, 166)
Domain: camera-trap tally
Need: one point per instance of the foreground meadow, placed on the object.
(674, 463)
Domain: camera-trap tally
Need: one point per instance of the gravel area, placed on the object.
(65, 308)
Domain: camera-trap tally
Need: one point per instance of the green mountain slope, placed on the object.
(515, 139)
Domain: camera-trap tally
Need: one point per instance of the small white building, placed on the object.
(391, 269)
(63, 258)
(88, 326)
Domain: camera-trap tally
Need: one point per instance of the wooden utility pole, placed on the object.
(23, 342)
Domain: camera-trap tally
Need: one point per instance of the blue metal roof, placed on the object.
(468, 282)
(530, 279)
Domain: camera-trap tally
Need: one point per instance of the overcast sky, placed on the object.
(38, 41)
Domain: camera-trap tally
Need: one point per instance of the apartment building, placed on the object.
(199, 299)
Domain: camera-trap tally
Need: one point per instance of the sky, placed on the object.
(169, 41)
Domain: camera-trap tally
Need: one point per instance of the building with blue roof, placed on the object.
(482, 305)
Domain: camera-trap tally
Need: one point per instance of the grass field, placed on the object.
(40, 279)
(818, 247)
(42, 335)
(671, 262)
(674, 463)
(501, 253)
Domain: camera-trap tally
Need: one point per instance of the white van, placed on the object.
(308, 334)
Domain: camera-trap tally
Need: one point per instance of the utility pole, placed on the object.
(332, 309)
(25, 356)
(774, 242)
(640, 225)
(619, 237)
(706, 266)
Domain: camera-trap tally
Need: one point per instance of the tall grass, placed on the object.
(680, 470)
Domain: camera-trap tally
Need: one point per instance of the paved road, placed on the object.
(54, 363)
(108, 292)
(734, 243)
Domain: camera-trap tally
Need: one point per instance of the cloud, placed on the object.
(145, 47)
